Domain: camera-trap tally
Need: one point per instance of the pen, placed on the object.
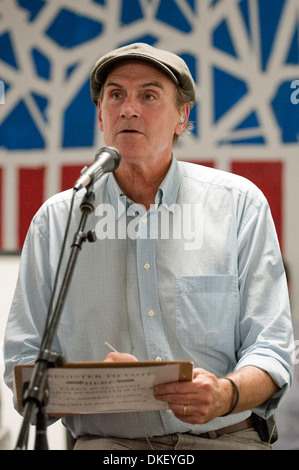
(109, 347)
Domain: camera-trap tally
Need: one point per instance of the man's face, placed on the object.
(138, 114)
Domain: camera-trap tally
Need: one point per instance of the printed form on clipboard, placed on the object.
(104, 387)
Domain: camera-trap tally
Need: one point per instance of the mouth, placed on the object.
(129, 131)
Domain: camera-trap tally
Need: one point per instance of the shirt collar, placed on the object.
(170, 186)
(167, 193)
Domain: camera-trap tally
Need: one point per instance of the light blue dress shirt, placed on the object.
(199, 277)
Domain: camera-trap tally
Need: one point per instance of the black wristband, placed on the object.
(236, 390)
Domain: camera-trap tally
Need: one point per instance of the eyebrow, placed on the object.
(144, 85)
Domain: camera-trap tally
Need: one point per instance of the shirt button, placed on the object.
(144, 220)
(158, 359)
(147, 266)
(151, 314)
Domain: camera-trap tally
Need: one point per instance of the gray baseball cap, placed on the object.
(173, 65)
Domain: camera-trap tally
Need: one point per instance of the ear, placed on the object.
(100, 121)
(184, 117)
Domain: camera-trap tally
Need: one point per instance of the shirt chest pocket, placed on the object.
(207, 308)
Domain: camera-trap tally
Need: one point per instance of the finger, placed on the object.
(175, 388)
(177, 399)
(182, 410)
(108, 359)
(120, 357)
(184, 413)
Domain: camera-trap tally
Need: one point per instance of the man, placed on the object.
(215, 295)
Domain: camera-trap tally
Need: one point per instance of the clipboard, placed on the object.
(104, 387)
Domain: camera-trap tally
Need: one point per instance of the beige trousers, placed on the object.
(242, 440)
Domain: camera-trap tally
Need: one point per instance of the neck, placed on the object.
(139, 183)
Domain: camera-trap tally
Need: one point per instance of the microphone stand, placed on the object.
(36, 394)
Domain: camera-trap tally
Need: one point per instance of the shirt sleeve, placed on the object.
(265, 321)
(28, 313)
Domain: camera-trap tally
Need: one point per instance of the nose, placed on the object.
(130, 108)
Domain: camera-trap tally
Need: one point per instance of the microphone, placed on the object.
(106, 159)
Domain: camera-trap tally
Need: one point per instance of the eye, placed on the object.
(115, 94)
(149, 96)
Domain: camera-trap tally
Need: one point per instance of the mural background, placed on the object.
(244, 57)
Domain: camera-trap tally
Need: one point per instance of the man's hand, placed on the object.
(207, 397)
(120, 357)
(197, 401)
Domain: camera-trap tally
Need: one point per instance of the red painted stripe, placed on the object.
(31, 197)
(69, 175)
(268, 176)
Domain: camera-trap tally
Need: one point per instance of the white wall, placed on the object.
(10, 419)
